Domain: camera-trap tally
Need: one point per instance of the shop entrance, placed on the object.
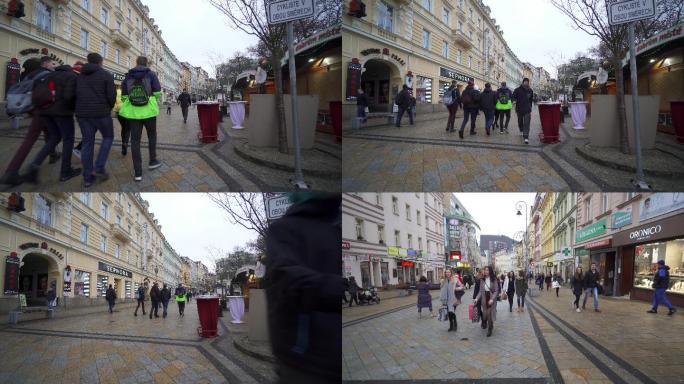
(34, 278)
(376, 274)
(400, 275)
(375, 82)
(384, 269)
(365, 274)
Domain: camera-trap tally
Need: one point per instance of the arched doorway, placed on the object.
(379, 81)
(36, 275)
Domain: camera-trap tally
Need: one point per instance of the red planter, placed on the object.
(549, 114)
(207, 308)
(208, 114)
(677, 111)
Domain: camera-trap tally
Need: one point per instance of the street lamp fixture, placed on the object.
(520, 206)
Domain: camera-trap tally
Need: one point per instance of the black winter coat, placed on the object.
(477, 288)
(111, 295)
(304, 286)
(165, 295)
(362, 100)
(155, 295)
(184, 100)
(488, 100)
(474, 102)
(403, 99)
(577, 285)
(95, 92)
(65, 92)
(591, 280)
(523, 100)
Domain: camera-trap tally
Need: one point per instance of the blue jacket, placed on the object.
(661, 280)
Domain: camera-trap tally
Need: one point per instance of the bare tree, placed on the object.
(591, 16)
(245, 209)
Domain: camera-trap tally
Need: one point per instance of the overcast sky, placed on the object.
(495, 213)
(192, 29)
(191, 222)
(536, 31)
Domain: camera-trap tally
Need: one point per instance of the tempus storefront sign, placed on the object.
(596, 229)
(113, 269)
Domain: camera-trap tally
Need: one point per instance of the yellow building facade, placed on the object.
(547, 230)
(81, 243)
(120, 30)
(424, 44)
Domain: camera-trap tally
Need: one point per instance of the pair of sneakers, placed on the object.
(154, 164)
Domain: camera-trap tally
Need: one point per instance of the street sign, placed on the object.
(277, 206)
(289, 10)
(625, 11)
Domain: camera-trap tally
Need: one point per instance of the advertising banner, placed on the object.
(593, 230)
(659, 204)
(622, 217)
(11, 274)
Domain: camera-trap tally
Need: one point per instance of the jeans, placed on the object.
(154, 309)
(453, 108)
(136, 127)
(501, 113)
(125, 130)
(594, 293)
(90, 126)
(524, 124)
(185, 113)
(659, 297)
(521, 300)
(400, 114)
(165, 305)
(469, 113)
(60, 128)
(489, 119)
(30, 139)
(140, 303)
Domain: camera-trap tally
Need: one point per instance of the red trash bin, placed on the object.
(549, 114)
(336, 119)
(208, 114)
(677, 112)
(207, 308)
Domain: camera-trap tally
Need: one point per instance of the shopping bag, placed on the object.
(476, 314)
(470, 311)
(395, 108)
(443, 314)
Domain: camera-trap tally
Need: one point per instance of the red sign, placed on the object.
(353, 79)
(11, 274)
(598, 244)
(407, 264)
(346, 245)
(455, 255)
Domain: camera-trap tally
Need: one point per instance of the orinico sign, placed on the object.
(645, 233)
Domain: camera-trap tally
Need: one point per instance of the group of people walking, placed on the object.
(158, 297)
(87, 91)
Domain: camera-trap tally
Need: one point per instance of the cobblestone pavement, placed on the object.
(121, 348)
(187, 165)
(549, 343)
(426, 158)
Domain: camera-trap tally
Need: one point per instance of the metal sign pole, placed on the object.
(299, 177)
(639, 183)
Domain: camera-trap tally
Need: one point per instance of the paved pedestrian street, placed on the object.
(424, 157)
(121, 348)
(551, 343)
(187, 165)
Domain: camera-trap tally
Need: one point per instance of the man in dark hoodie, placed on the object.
(470, 98)
(661, 281)
(523, 97)
(140, 91)
(452, 99)
(155, 298)
(487, 105)
(184, 100)
(303, 286)
(403, 101)
(59, 120)
(95, 98)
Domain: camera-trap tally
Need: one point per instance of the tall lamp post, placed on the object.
(519, 206)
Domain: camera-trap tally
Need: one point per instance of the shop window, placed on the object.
(43, 211)
(43, 16)
(102, 286)
(81, 283)
(424, 90)
(646, 264)
(127, 289)
(385, 16)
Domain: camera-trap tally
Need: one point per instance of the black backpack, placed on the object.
(139, 91)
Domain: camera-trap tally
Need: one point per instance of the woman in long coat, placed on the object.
(424, 298)
(447, 295)
(489, 291)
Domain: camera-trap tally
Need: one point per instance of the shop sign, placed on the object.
(118, 76)
(451, 74)
(385, 51)
(353, 79)
(596, 229)
(549, 263)
(42, 245)
(663, 229)
(41, 52)
(406, 264)
(581, 251)
(597, 244)
(66, 288)
(413, 252)
(455, 255)
(319, 38)
(402, 252)
(659, 204)
(393, 251)
(112, 269)
(622, 217)
(11, 274)
(346, 245)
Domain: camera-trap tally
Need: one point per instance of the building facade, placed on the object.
(546, 210)
(528, 73)
(514, 69)
(534, 230)
(461, 235)
(564, 208)
(171, 265)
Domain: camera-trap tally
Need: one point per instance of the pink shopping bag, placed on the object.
(470, 311)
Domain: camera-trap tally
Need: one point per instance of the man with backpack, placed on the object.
(451, 100)
(140, 91)
(504, 104)
(140, 297)
(58, 116)
(523, 97)
(20, 101)
(95, 98)
(403, 101)
(471, 104)
(184, 100)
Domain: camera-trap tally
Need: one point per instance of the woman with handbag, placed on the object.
(450, 295)
(489, 291)
(424, 298)
(509, 290)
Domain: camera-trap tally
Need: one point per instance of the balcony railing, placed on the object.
(120, 233)
(461, 38)
(120, 38)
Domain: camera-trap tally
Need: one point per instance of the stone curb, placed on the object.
(582, 152)
(244, 347)
(237, 147)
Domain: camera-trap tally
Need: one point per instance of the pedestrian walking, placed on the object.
(523, 97)
(110, 296)
(509, 288)
(165, 296)
(168, 107)
(451, 99)
(504, 104)
(470, 98)
(557, 281)
(140, 91)
(478, 302)
(95, 98)
(155, 299)
(591, 282)
(489, 290)
(412, 106)
(521, 290)
(361, 105)
(181, 296)
(185, 101)
(488, 105)
(403, 101)
(345, 289)
(450, 295)
(577, 284)
(661, 281)
(52, 295)
(353, 291)
(140, 296)
(125, 130)
(548, 280)
(424, 298)
(58, 118)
